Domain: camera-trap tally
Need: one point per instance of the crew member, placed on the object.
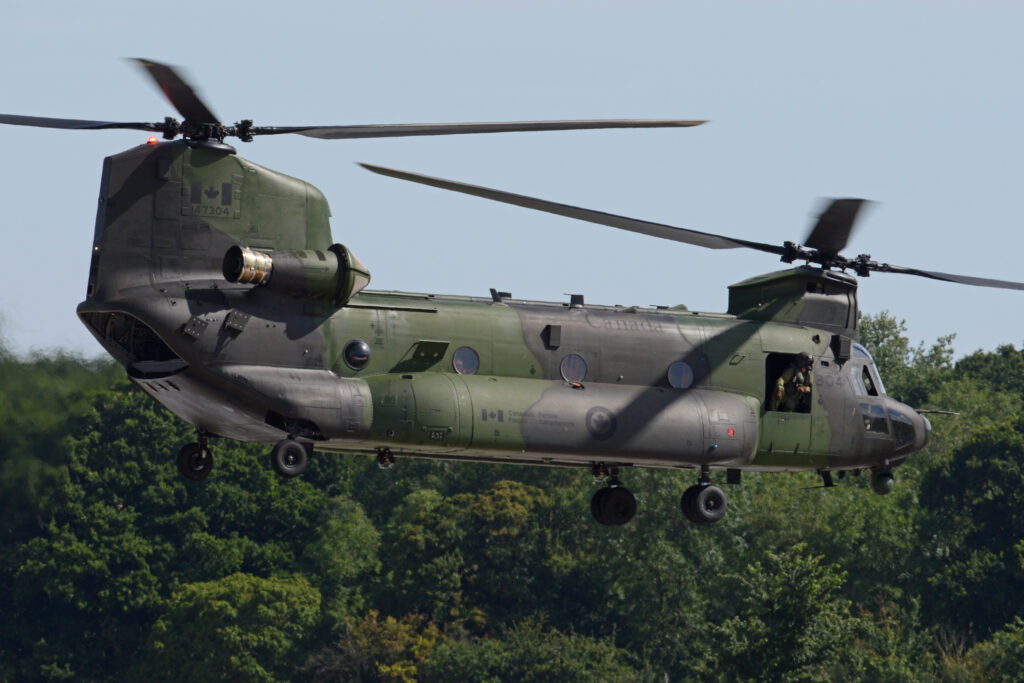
(793, 389)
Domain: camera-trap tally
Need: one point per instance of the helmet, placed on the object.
(803, 360)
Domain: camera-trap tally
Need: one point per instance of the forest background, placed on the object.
(115, 568)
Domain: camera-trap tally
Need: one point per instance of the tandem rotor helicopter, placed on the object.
(216, 283)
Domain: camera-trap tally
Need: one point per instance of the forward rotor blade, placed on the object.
(701, 239)
(417, 129)
(72, 124)
(950, 277)
(181, 94)
(832, 231)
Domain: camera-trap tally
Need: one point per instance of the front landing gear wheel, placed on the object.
(195, 461)
(613, 505)
(704, 503)
(289, 458)
(882, 482)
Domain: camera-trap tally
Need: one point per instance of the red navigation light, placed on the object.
(151, 140)
(732, 432)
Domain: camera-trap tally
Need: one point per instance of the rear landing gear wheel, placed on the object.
(704, 503)
(195, 461)
(613, 505)
(289, 458)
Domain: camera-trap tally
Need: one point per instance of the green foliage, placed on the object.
(239, 627)
(487, 544)
(373, 648)
(971, 527)
(118, 533)
(39, 399)
(530, 652)
(1002, 657)
(785, 620)
(1002, 370)
(888, 644)
(116, 568)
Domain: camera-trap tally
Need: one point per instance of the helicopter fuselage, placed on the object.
(300, 353)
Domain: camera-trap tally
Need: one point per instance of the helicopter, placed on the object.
(216, 283)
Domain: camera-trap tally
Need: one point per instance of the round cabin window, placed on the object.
(573, 368)
(357, 354)
(466, 361)
(680, 375)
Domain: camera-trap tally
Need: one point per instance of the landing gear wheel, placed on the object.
(709, 504)
(195, 461)
(613, 506)
(289, 458)
(703, 504)
(687, 503)
(596, 503)
(882, 482)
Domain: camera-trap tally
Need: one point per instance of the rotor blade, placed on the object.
(73, 124)
(832, 231)
(701, 239)
(180, 93)
(416, 129)
(949, 277)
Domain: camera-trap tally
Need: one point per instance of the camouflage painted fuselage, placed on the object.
(550, 383)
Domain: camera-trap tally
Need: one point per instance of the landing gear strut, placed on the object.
(704, 503)
(385, 458)
(613, 505)
(289, 458)
(195, 460)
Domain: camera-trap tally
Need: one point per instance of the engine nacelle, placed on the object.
(335, 274)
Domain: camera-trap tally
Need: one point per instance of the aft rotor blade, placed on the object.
(832, 231)
(418, 129)
(181, 94)
(72, 124)
(949, 277)
(701, 239)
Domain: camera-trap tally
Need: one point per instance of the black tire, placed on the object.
(195, 462)
(618, 506)
(709, 504)
(597, 505)
(882, 482)
(289, 458)
(686, 503)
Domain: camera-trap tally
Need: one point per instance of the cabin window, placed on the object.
(466, 361)
(356, 354)
(680, 375)
(573, 368)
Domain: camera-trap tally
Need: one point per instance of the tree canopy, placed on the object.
(117, 568)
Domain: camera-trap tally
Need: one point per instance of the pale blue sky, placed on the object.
(915, 105)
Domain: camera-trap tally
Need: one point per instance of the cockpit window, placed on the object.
(869, 377)
(874, 418)
(902, 429)
(869, 385)
(858, 351)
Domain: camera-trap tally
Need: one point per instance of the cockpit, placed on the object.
(880, 416)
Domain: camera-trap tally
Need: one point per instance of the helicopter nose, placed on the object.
(910, 429)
